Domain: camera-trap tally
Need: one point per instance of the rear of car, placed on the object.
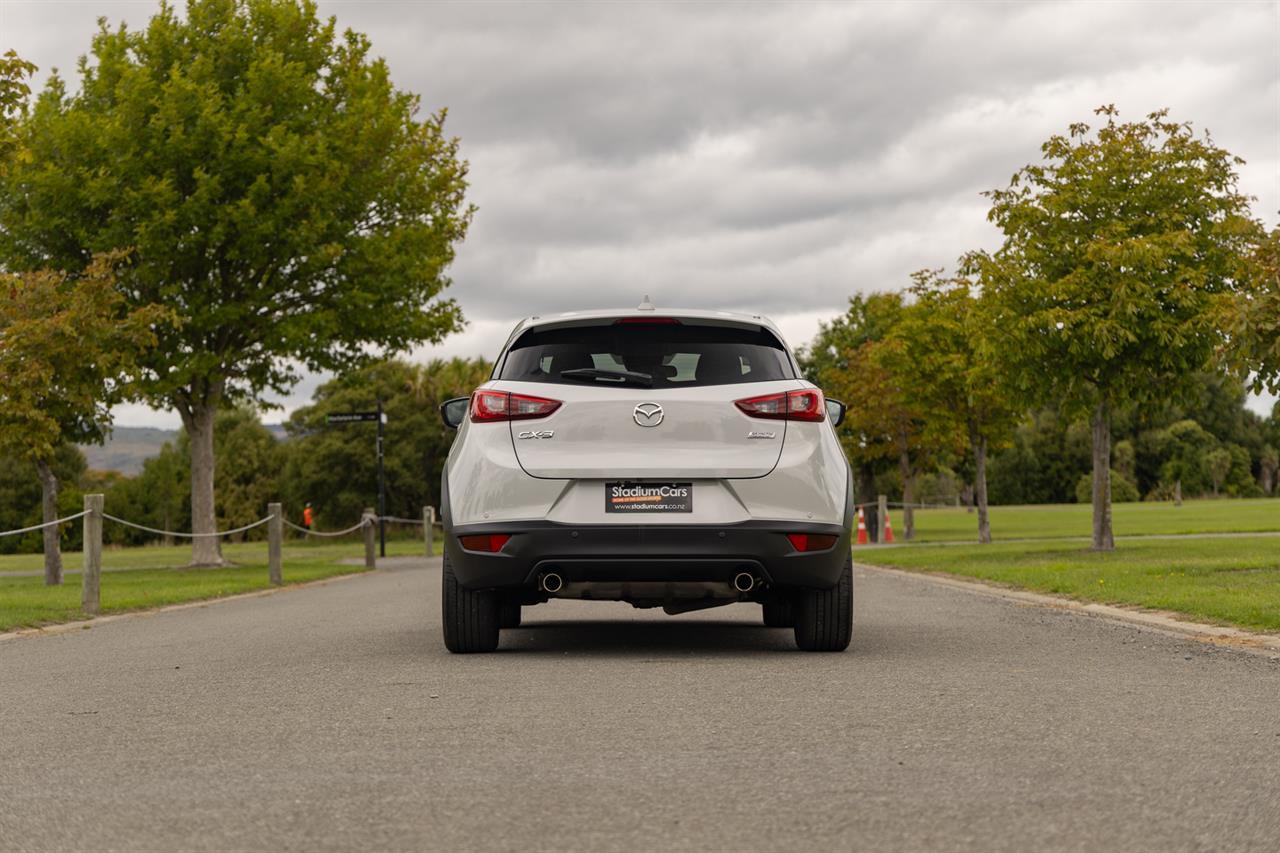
(675, 460)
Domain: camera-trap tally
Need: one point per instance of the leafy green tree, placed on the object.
(947, 340)
(852, 361)
(159, 496)
(1117, 248)
(250, 461)
(1269, 466)
(275, 188)
(1186, 445)
(249, 464)
(333, 467)
(14, 90)
(1217, 464)
(1126, 460)
(1252, 318)
(21, 498)
(1043, 461)
(1122, 490)
(1239, 481)
(69, 347)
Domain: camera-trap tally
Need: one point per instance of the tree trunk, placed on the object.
(980, 487)
(49, 512)
(205, 550)
(966, 496)
(1103, 540)
(1177, 492)
(866, 489)
(908, 497)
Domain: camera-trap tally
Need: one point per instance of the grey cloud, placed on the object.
(765, 156)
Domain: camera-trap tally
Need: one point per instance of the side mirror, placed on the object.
(835, 411)
(454, 412)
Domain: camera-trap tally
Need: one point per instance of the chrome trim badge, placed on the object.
(537, 433)
(762, 435)
(648, 414)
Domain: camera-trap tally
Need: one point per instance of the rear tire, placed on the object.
(470, 616)
(780, 613)
(509, 613)
(824, 617)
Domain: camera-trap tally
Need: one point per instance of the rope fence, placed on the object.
(180, 534)
(257, 523)
(94, 515)
(364, 522)
(33, 528)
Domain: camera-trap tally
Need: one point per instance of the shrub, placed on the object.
(1122, 491)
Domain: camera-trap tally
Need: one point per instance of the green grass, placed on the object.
(1233, 581)
(1055, 521)
(139, 578)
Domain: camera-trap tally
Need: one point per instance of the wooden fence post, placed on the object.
(428, 528)
(90, 594)
(370, 537)
(882, 514)
(275, 544)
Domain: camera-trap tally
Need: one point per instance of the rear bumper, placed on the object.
(647, 552)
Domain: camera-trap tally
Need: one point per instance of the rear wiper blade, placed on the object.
(596, 373)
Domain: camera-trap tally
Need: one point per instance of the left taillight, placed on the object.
(806, 405)
(488, 406)
(811, 541)
(488, 542)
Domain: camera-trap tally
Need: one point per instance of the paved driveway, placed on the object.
(331, 717)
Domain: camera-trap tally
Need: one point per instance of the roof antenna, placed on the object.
(646, 305)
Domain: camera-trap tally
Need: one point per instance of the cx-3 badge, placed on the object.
(648, 414)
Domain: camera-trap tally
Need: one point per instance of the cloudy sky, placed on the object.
(771, 158)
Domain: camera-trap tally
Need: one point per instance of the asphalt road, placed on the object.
(331, 718)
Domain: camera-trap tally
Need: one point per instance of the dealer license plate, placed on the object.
(648, 497)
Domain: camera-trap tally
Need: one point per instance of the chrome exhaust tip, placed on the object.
(744, 582)
(551, 582)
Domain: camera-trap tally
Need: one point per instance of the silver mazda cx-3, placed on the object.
(671, 459)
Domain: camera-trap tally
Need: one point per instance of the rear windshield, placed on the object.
(649, 355)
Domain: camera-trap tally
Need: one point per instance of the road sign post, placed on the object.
(382, 492)
(380, 418)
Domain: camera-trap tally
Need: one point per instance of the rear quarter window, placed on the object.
(669, 355)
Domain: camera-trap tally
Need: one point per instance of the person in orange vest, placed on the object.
(307, 516)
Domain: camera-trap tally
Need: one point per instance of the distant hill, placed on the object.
(128, 447)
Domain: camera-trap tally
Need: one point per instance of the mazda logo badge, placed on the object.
(648, 414)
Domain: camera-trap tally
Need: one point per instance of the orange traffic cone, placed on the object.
(862, 528)
(888, 529)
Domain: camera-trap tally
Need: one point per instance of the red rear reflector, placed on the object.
(489, 406)
(811, 541)
(806, 405)
(650, 321)
(491, 542)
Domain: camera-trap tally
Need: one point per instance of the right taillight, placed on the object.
(806, 405)
(488, 406)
